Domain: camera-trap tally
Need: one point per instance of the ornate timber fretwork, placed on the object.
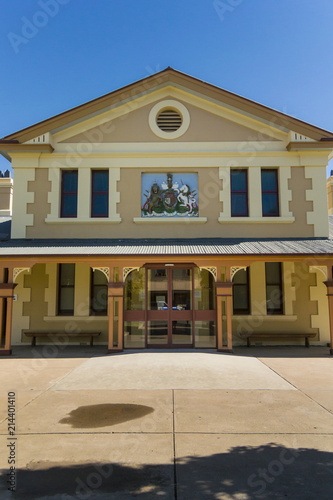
(128, 270)
(104, 270)
(234, 270)
(19, 270)
(321, 269)
(212, 270)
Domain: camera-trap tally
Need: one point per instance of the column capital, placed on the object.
(116, 289)
(329, 285)
(224, 289)
(7, 290)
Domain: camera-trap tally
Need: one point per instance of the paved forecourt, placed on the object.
(183, 424)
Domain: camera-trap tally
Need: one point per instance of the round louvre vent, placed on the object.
(169, 120)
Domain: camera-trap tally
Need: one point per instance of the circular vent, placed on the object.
(169, 120)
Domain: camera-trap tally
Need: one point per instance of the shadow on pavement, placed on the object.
(265, 472)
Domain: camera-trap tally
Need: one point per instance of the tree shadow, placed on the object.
(264, 472)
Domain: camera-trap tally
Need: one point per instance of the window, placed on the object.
(99, 294)
(270, 193)
(66, 281)
(241, 292)
(239, 201)
(274, 293)
(69, 193)
(100, 193)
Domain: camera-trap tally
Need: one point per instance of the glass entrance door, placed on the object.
(169, 306)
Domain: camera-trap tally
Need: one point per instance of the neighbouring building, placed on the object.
(168, 213)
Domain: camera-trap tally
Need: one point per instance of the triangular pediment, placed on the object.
(225, 115)
(204, 126)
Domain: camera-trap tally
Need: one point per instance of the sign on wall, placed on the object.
(169, 195)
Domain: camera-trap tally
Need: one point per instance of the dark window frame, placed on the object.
(246, 285)
(93, 293)
(279, 284)
(68, 193)
(274, 192)
(64, 312)
(104, 192)
(240, 192)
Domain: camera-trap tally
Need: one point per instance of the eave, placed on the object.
(326, 145)
(14, 147)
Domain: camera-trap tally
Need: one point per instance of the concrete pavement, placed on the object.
(173, 425)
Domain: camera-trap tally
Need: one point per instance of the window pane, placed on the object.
(269, 180)
(238, 180)
(99, 278)
(274, 298)
(241, 300)
(157, 289)
(270, 204)
(273, 273)
(100, 298)
(182, 332)
(135, 291)
(67, 274)
(134, 334)
(69, 181)
(205, 334)
(240, 292)
(238, 204)
(100, 205)
(101, 180)
(66, 300)
(157, 332)
(181, 289)
(240, 277)
(69, 205)
(204, 290)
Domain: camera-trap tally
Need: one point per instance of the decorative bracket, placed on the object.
(127, 271)
(234, 270)
(212, 270)
(104, 270)
(19, 270)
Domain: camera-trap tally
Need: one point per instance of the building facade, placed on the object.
(169, 213)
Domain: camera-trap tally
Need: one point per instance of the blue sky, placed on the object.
(56, 54)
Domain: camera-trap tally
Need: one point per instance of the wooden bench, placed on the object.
(278, 336)
(65, 335)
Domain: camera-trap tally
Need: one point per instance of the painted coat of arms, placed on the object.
(170, 195)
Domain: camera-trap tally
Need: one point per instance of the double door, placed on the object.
(170, 306)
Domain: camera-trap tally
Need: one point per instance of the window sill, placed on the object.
(76, 318)
(260, 220)
(89, 220)
(170, 220)
(265, 317)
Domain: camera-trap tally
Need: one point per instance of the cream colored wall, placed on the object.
(319, 216)
(21, 197)
(134, 127)
(300, 306)
(214, 207)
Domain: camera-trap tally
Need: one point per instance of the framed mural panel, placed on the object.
(169, 195)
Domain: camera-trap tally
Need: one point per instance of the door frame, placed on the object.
(170, 315)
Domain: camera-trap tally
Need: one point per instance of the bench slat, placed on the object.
(36, 334)
(276, 336)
